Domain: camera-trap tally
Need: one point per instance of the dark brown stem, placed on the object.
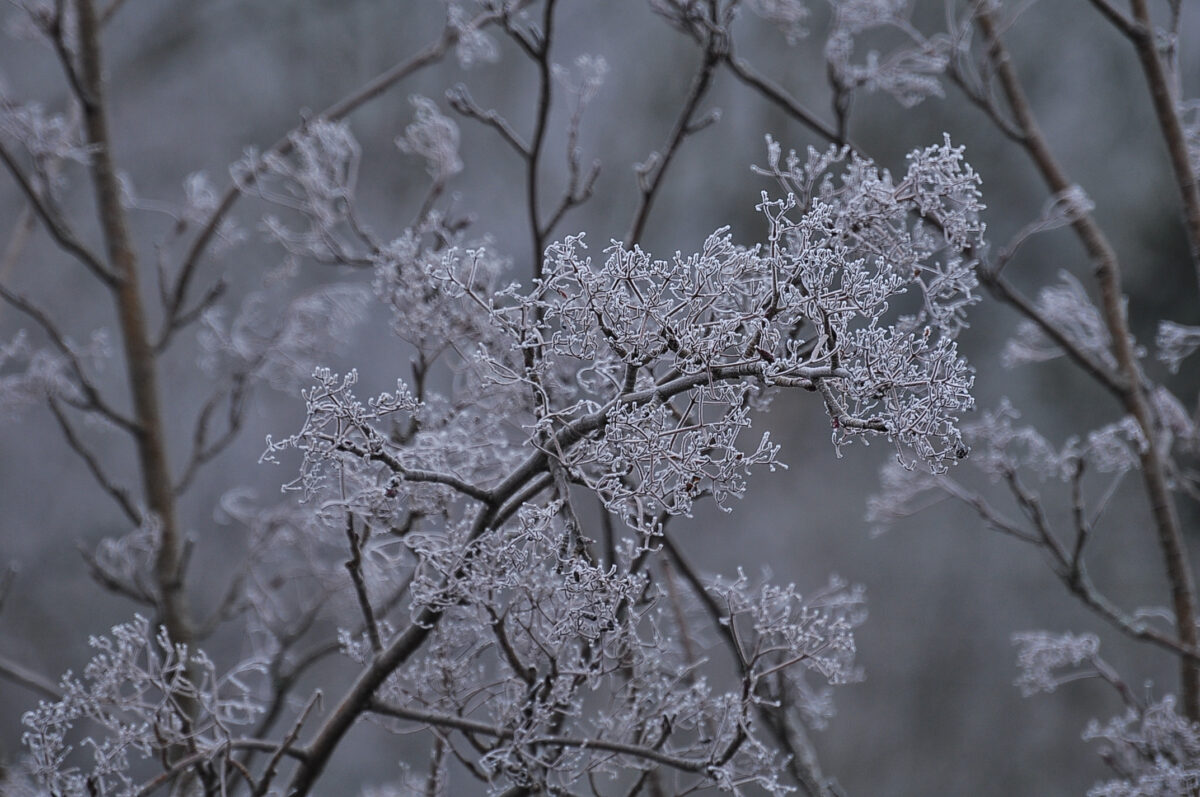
(357, 700)
(744, 72)
(542, 59)
(1133, 395)
(118, 493)
(1166, 111)
(354, 566)
(140, 363)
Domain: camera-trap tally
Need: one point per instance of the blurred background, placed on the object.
(192, 84)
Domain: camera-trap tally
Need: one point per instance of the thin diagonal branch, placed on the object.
(117, 493)
(746, 73)
(354, 565)
(59, 231)
(284, 746)
(650, 182)
(1115, 17)
(93, 401)
(22, 675)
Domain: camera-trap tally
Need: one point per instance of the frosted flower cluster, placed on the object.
(1069, 308)
(46, 137)
(640, 375)
(433, 137)
(62, 371)
(634, 379)
(148, 697)
(313, 179)
(1043, 654)
(1154, 750)
(594, 657)
(1176, 342)
(909, 73)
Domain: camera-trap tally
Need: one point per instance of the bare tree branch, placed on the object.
(59, 231)
(1166, 518)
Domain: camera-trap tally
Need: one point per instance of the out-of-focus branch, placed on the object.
(55, 224)
(537, 46)
(1166, 110)
(747, 74)
(17, 240)
(461, 100)
(92, 401)
(1114, 16)
(22, 675)
(204, 449)
(140, 361)
(1067, 565)
(1005, 291)
(118, 493)
(1107, 269)
(110, 11)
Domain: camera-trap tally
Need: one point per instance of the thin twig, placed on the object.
(286, 744)
(187, 762)
(1166, 110)
(744, 72)
(59, 231)
(20, 674)
(1114, 16)
(116, 492)
(354, 567)
(650, 182)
